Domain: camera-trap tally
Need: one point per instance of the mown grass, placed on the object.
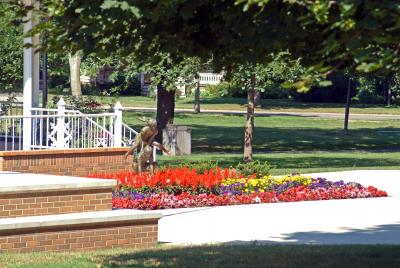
(224, 133)
(271, 105)
(289, 143)
(216, 256)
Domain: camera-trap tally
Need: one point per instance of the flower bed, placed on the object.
(183, 187)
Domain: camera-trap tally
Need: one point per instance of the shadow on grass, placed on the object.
(277, 134)
(270, 139)
(273, 254)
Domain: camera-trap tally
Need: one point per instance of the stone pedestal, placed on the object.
(177, 139)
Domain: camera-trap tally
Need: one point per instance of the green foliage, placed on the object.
(11, 51)
(122, 74)
(327, 35)
(85, 104)
(169, 72)
(223, 89)
(200, 167)
(271, 77)
(395, 86)
(11, 55)
(255, 167)
(367, 91)
(368, 96)
(7, 105)
(361, 35)
(336, 92)
(280, 69)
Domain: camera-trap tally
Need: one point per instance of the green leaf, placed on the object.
(123, 5)
(325, 83)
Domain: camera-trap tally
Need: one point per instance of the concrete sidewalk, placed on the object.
(350, 221)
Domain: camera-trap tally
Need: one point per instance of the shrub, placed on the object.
(223, 89)
(336, 92)
(367, 96)
(200, 167)
(85, 104)
(255, 167)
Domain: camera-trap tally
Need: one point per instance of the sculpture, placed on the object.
(142, 148)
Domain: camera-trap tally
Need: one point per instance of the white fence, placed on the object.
(210, 78)
(61, 128)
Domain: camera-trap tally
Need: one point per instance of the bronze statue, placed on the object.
(142, 148)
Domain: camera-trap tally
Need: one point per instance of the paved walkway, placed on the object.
(351, 221)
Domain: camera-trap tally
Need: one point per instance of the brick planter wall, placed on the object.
(71, 162)
(101, 235)
(58, 202)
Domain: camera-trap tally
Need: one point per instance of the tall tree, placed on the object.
(277, 69)
(347, 108)
(196, 106)
(75, 73)
(327, 35)
(10, 51)
(248, 76)
(167, 71)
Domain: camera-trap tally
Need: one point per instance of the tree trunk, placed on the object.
(197, 97)
(44, 73)
(75, 74)
(165, 110)
(257, 99)
(347, 109)
(389, 93)
(248, 133)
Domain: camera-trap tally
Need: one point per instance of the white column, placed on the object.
(36, 74)
(31, 75)
(118, 125)
(28, 81)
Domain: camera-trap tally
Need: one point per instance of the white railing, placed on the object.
(210, 78)
(61, 128)
(11, 108)
(10, 133)
(58, 132)
(128, 135)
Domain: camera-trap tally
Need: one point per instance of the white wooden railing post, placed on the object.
(118, 125)
(60, 124)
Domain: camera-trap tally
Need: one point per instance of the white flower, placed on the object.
(257, 200)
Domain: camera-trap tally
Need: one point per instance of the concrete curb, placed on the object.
(74, 219)
(13, 182)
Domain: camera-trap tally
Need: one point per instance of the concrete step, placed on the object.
(23, 194)
(79, 231)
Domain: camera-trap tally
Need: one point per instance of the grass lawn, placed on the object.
(285, 163)
(290, 143)
(216, 256)
(267, 105)
(224, 133)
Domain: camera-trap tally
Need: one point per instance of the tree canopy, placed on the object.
(10, 51)
(325, 34)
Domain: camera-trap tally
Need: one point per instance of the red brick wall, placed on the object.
(72, 162)
(83, 238)
(47, 203)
